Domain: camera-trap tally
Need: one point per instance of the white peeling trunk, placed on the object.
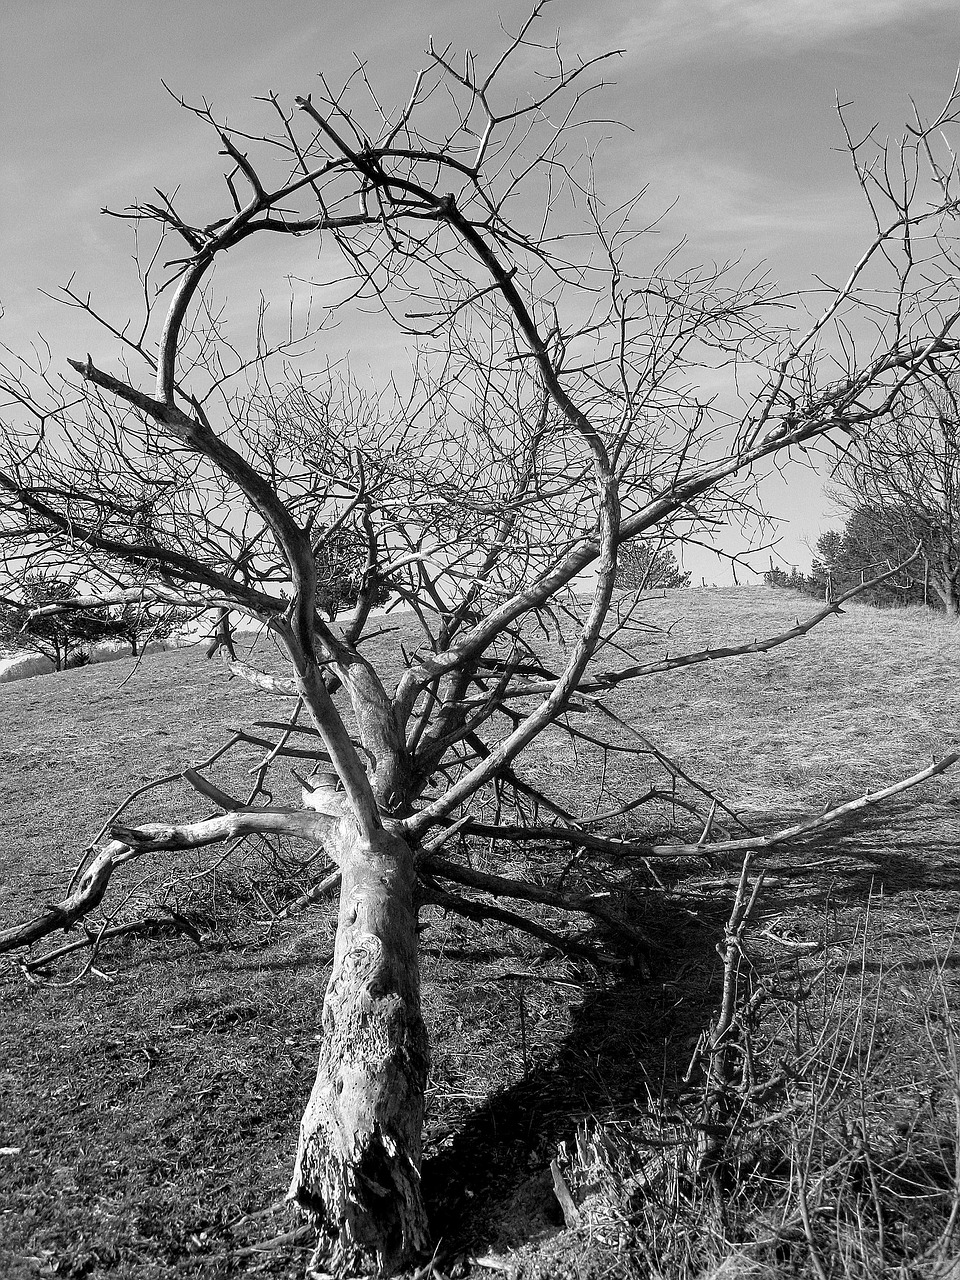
(357, 1172)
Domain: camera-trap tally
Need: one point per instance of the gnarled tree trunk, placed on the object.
(357, 1171)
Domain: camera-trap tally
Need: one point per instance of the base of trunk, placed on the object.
(357, 1173)
(367, 1208)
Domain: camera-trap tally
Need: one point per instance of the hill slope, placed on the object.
(152, 1101)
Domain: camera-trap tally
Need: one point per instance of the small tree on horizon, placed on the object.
(343, 573)
(136, 624)
(644, 568)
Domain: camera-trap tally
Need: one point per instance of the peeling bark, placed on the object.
(357, 1173)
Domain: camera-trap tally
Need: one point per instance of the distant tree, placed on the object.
(641, 567)
(873, 540)
(63, 637)
(344, 574)
(905, 467)
(137, 624)
(792, 581)
(829, 569)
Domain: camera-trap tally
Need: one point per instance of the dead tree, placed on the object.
(550, 417)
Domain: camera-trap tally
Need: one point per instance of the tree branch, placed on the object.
(473, 910)
(502, 886)
(303, 824)
(627, 848)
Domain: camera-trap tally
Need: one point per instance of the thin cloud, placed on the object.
(676, 26)
(727, 210)
(734, 199)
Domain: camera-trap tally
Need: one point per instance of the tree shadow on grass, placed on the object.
(894, 851)
(486, 1172)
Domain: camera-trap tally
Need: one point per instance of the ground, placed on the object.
(150, 1102)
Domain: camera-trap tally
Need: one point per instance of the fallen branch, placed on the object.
(626, 848)
(275, 749)
(284, 686)
(91, 939)
(502, 886)
(131, 842)
(474, 910)
(62, 915)
(830, 816)
(209, 789)
(306, 824)
(312, 895)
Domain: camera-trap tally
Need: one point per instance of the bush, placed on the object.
(792, 581)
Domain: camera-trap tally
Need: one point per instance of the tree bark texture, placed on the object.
(357, 1172)
(947, 587)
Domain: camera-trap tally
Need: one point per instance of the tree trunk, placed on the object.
(948, 589)
(357, 1172)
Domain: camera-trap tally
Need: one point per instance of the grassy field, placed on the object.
(150, 1102)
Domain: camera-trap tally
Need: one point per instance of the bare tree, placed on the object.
(905, 471)
(550, 418)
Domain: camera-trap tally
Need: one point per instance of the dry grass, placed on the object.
(155, 1104)
(839, 1157)
(867, 696)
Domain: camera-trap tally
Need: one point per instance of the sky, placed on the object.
(730, 107)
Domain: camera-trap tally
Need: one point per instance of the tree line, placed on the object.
(34, 621)
(900, 489)
(874, 540)
(33, 618)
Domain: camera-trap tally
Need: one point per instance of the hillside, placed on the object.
(150, 1101)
